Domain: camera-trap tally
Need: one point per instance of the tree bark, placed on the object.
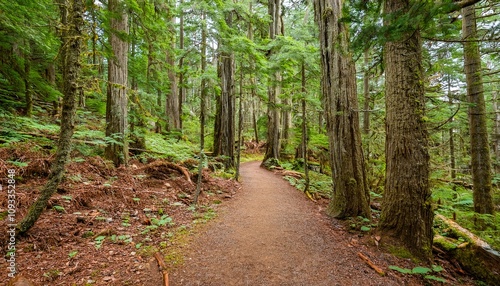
(453, 172)
(116, 107)
(480, 150)
(28, 92)
(366, 93)
(203, 104)
(304, 128)
(172, 102)
(406, 217)
(496, 132)
(338, 88)
(224, 129)
(182, 89)
(73, 46)
(274, 89)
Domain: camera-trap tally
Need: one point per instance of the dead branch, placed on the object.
(162, 267)
(173, 166)
(371, 264)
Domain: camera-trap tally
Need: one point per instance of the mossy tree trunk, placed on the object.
(406, 218)
(338, 88)
(172, 102)
(480, 150)
(73, 46)
(116, 107)
(224, 128)
(274, 88)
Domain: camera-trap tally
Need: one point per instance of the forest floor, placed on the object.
(105, 225)
(271, 234)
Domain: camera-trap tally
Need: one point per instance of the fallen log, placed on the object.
(476, 256)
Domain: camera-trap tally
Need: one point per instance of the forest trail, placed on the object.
(271, 234)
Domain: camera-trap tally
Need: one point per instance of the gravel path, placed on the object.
(271, 234)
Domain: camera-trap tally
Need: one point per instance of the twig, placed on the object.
(371, 264)
(163, 268)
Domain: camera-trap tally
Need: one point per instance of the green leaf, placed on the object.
(399, 269)
(421, 270)
(73, 253)
(365, 228)
(437, 268)
(68, 198)
(432, 277)
(59, 209)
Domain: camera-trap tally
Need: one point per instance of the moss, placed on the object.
(471, 260)
(445, 243)
(400, 252)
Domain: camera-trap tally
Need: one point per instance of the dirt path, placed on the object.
(270, 234)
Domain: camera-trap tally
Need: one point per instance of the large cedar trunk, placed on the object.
(274, 89)
(480, 151)
(339, 97)
(172, 102)
(116, 107)
(224, 129)
(406, 209)
(72, 47)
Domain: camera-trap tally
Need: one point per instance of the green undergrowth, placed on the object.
(456, 202)
(320, 185)
(171, 148)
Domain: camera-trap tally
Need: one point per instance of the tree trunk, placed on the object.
(453, 172)
(224, 129)
(274, 89)
(240, 128)
(304, 128)
(480, 150)
(73, 46)
(496, 132)
(182, 89)
(203, 104)
(366, 93)
(116, 107)
(406, 217)
(28, 92)
(254, 116)
(172, 106)
(338, 88)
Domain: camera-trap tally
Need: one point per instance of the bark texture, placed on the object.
(224, 129)
(496, 132)
(172, 102)
(73, 46)
(480, 150)
(338, 88)
(116, 107)
(407, 216)
(274, 89)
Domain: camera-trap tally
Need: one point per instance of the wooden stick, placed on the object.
(371, 264)
(163, 268)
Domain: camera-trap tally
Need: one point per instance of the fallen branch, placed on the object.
(162, 267)
(371, 264)
(294, 174)
(170, 165)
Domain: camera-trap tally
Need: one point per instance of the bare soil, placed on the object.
(266, 233)
(97, 202)
(271, 234)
